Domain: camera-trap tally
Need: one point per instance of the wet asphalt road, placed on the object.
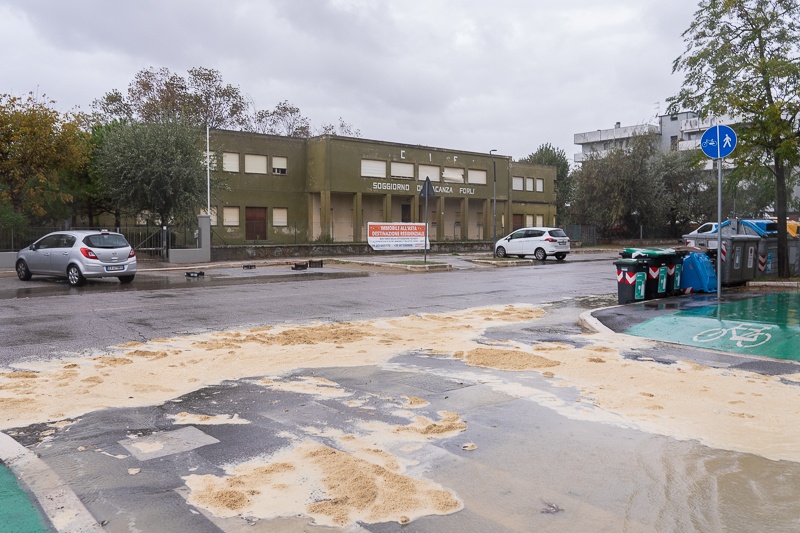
(44, 317)
(533, 470)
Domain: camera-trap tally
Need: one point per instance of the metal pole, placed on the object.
(425, 246)
(719, 225)
(208, 172)
(494, 204)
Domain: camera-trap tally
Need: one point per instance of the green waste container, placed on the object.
(674, 272)
(631, 280)
(657, 269)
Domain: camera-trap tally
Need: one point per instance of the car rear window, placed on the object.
(557, 233)
(110, 240)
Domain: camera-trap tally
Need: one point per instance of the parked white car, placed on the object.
(538, 242)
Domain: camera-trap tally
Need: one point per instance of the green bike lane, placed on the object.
(18, 512)
(763, 325)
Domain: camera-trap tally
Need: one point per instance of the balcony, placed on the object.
(614, 134)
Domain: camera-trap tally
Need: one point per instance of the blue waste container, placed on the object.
(698, 274)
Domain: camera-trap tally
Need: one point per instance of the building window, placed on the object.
(540, 220)
(402, 170)
(477, 177)
(280, 217)
(255, 164)
(429, 171)
(529, 184)
(279, 165)
(453, 175)
(213, 215)
(539, 184)
(230, 162)
(371, 168)
(673, 142)
(517, 183)
(230, 216)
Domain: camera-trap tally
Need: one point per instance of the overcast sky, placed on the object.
(469, 75)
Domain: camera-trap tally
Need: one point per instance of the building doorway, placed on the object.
(255, 221)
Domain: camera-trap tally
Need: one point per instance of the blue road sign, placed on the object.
(718, 142)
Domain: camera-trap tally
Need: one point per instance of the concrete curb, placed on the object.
(434, 267)
(588, 321)
(61, 506)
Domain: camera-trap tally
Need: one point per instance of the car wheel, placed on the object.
(74, 276)
(23, 272)
(126, 279)
(540, 254)
(500, 252)
(561, 257)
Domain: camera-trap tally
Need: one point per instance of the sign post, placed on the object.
(427, 192)
(717, 143)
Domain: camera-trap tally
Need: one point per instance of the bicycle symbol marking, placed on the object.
(746, 335)
(709, 142)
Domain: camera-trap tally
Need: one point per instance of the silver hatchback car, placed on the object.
(77, 255)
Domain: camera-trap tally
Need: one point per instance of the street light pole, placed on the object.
(494, 203)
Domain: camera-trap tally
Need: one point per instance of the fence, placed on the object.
(586, 235)
(148, 241)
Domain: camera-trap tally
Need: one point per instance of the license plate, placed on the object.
(115, 268)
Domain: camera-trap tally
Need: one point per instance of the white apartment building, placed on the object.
(681, 131)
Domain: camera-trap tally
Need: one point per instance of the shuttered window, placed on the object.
(517, 183)
(371, 168)
(279, 165)
(477, 177)
(255, 164)
(280, 216)
(428, 171)
(402, 170)
(230, 162)
(230, 216)
(539, 185)
(453, 175)
(529, 184)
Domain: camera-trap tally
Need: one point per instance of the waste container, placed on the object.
(631, 279)
(657, 269)
(674, 272)
(698, 274)
(739, 258)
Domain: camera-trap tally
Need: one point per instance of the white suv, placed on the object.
(538, 242)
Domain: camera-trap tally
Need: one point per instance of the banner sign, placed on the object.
(396, 236)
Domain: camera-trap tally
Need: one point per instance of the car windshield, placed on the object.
(105, 240)
(557, 233)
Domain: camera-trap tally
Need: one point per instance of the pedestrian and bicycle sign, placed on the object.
(718, 141)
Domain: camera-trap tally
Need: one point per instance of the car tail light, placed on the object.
(88, 254)
(132, 254)
(550, 239)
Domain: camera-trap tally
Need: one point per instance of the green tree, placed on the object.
(37, 146)
(741, 59)
(286, 119)
(547, 154)
(620, 191)
(689, 190)
(159, 95)
(157, 168)
(344, 129)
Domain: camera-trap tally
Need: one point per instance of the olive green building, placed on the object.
(285, 190)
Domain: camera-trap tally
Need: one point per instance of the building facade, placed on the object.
(680, 131)
(285, 190)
